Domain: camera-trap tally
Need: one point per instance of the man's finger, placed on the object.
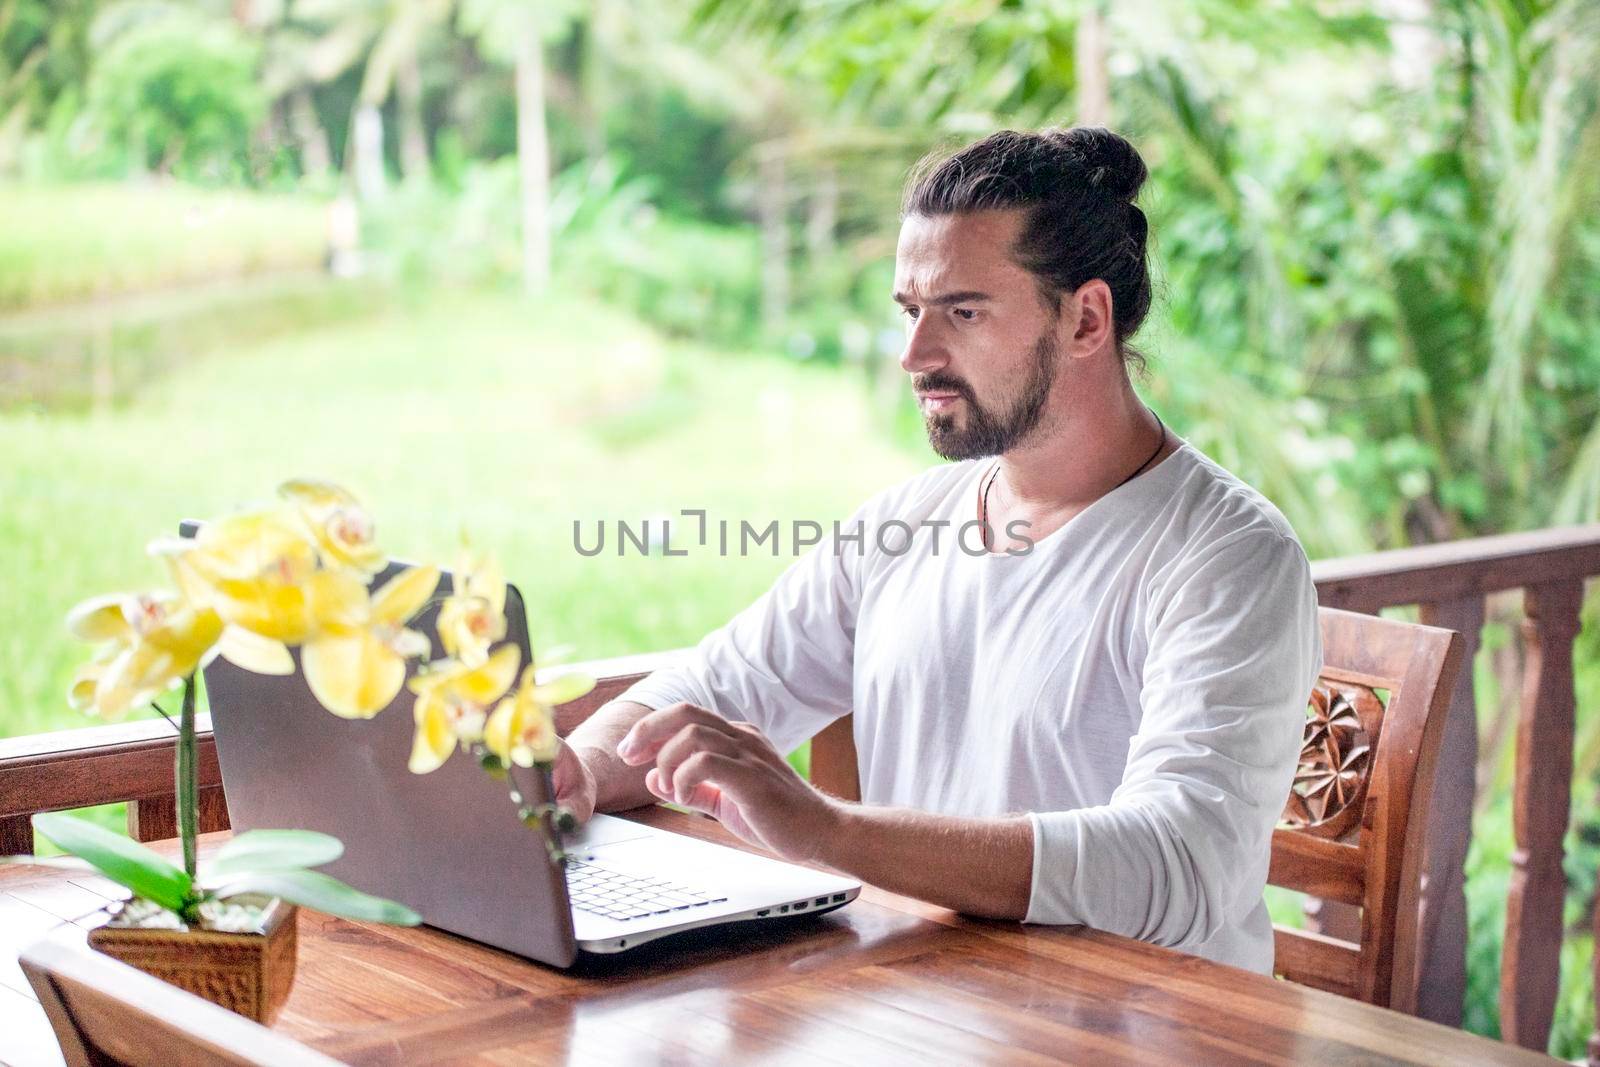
(570, 785)
(641, 743)
(705, 798)
(711, 775)
(718, 786)
(698, 737)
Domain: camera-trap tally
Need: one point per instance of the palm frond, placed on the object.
(1580, 492)
(1539, 107)
(1276, 445)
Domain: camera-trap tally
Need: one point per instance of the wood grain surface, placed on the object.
(885, 980)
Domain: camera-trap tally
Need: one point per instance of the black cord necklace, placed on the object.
(983, 504)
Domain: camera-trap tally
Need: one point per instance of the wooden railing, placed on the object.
(133, 762)
(130, 762)
(1448, 582)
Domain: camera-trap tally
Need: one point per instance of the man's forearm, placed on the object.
(975, 866)
(979, 866)
(618, 786)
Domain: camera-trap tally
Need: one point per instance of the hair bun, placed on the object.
(1112, 164)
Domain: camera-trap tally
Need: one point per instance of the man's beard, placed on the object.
(984, 432)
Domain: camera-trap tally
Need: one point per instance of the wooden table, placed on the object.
(885, 980)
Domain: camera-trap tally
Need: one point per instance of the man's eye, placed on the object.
(966, 313)
(909, 312)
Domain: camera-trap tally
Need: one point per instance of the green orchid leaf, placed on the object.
(120, 859)
(259, 851)
(313, 889)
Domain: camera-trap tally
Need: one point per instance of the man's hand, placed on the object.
(981, 866)
(574, 783)
(731, 772)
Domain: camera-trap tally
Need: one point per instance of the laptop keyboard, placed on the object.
(602, 891)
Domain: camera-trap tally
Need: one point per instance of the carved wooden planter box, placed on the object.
(247, 973)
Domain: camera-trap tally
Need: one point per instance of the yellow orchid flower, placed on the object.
(258, 571)
(243, 547)
(257, 654)
(339, 525)
(355, 671)
(522, 729)
(154, 641)
(473, 616)
(453, 702)
(85, 681)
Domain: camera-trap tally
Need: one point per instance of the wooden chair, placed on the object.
(107, 1014)
(1353, 827)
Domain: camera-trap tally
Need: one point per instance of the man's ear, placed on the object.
(1087, 317)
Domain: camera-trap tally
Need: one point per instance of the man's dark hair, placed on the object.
(1077, 186)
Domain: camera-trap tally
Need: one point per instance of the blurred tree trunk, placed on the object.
(1094, 79)
(408, 102)
(772, 206)
(592, 95)
(269, 138)
(365, 153)
(822, 219)
(533, 155)
(316, 156)
(15, 109)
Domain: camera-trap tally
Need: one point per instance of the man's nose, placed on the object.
(923, 351)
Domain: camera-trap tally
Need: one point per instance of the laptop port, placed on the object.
(800, 906)
(783, 907)
(837, 897)
(764, 912)
(820, 901)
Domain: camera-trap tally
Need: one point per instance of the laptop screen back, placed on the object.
(448, 844)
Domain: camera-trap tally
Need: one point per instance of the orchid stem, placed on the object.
(188, 790)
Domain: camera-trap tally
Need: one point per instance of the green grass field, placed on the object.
(79, 241)
(488, 414)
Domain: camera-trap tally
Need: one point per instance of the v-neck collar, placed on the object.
(1158, 474)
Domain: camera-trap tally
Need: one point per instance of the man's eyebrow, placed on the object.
(966, 296)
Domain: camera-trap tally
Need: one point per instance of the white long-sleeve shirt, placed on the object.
(1136, 684)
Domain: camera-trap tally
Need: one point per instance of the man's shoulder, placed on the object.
(1216, 505)
(1228, 552)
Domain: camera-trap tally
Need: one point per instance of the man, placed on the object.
(1091, 715)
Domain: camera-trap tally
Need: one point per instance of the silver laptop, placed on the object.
(449, 844)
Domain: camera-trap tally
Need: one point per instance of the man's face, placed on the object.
(981, 348)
